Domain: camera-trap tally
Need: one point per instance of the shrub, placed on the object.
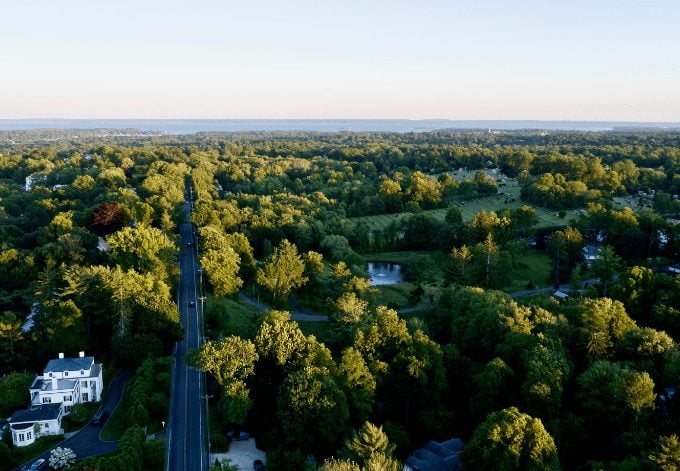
(219, 443)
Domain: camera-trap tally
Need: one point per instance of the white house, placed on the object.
(64, 382)
(28, 425)
(34, 179)
(69, 381)
(591, 253)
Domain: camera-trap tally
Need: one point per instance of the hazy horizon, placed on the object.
(375, 59)
(191, 126)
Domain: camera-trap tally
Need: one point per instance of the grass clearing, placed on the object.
(397, 257)
(536, 270)
(468, 209)
(117, 423)
(395, 296)
(231, 316)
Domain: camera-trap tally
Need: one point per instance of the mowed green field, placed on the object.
(546, 218)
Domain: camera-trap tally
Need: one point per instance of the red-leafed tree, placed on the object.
(108, 218)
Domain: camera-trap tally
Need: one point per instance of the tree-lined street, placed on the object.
(187, 422)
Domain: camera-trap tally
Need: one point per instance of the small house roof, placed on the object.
(455, 444)
(437, 456)
(39, 413)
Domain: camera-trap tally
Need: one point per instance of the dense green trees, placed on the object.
(565, 249)
(222, 267)
(266, 207)
(14, 392)
(667, 457)
(283, 272)
(509, 440)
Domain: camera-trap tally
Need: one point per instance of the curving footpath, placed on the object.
(296, 314)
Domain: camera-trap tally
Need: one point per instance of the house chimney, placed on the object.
(81, 354)
(61, 355)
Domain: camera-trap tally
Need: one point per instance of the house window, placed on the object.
(22, 437)
(65, 373)
(82, 372)
(84, 397)
(47, 400)
(68, 398)
(47, 425)
(50, 375)
(28, 436)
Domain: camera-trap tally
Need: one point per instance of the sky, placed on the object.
(403, 59)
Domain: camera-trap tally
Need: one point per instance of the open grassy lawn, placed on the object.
(397, 257)
(635, 202)
(468, 209)
(117, 423)
(231, 316)
(394, 296)
(536, 270)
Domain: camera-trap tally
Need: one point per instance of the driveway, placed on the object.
(86, 441)
(241, 454)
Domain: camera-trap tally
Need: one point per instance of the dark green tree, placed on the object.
(509, 440)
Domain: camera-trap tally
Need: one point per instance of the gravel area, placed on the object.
(241, 454)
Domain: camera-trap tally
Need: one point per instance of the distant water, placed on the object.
(190, 126)
(384, 273)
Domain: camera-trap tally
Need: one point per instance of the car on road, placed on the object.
(100, 417)
(258, 466)
(192, 303)
(190, 244)
(38, 464)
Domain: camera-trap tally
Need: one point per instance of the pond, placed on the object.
(384, 273)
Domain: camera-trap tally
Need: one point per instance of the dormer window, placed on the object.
(82, 372)
(65, 373)
(50, 375)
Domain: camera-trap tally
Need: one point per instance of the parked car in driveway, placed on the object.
(238, 436)
(38, 465)
(100, 417)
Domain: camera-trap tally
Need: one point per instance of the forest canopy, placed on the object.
(304, 350)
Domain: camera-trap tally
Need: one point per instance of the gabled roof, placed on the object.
(436, 456)
(456, 445)
(37, 414)
(69, 364)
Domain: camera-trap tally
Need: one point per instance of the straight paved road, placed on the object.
(187, 421)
